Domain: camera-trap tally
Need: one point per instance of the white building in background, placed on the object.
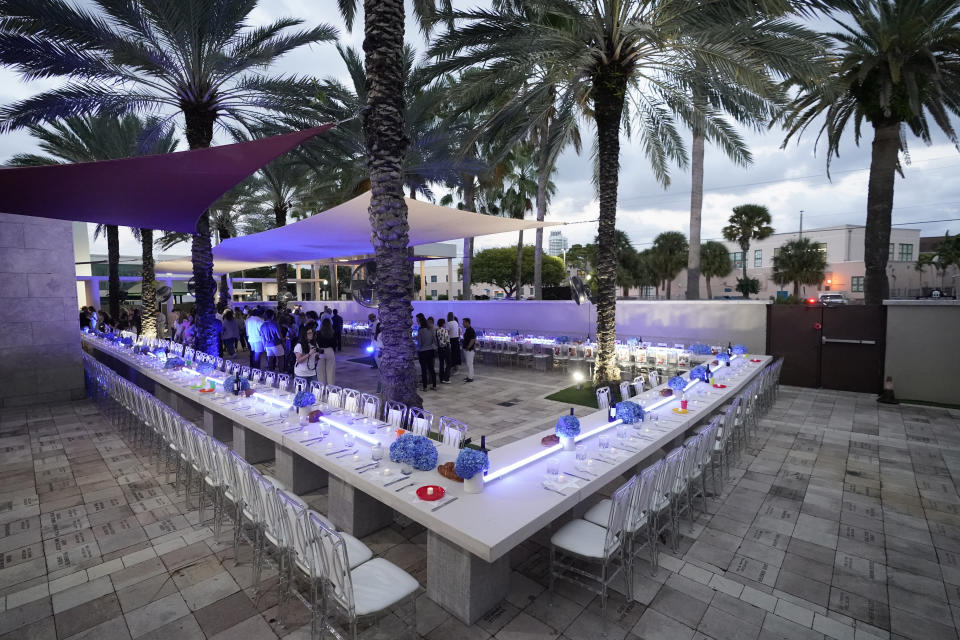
(843, 246)
(557, 244)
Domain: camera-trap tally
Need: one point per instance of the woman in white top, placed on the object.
(307, 356)
(453, 328)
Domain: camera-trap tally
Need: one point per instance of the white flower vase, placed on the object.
(568, 443)
(474, 484)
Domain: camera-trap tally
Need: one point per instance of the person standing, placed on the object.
(427, 351)
(453, 328)
(326, 315)
(272, 339)
(337, 322)
(443, 351)
(307, 355)
(469, 344)
(231, 332)
(254, 321)
(327, 362)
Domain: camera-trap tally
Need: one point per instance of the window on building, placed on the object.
(433, 293)
(856, 284)
(433, 278)
(758, 257)
(890, 256)
(737, 259)
(822, 247)
(906, 252)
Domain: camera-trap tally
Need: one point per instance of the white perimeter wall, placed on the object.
(712, 322)
(923, 340)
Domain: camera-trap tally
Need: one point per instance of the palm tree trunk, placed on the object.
(224, 300)
(113, 266)
(199, 132)
(280, 220)
(876, 245)
(745, 249)
(386, 145)
(669, 287)
(148, 291)
(468, 205)
(709, 290)
(519, 277)
(543, 176)
(696, 210)
(609, 89)
(796, 288)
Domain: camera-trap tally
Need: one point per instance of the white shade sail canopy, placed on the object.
(344, 232)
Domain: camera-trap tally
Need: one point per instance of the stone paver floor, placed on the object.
(840, 521)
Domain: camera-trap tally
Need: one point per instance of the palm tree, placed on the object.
(613, 62)
(714, 263)
(96, 138)
(646, 273)
(197, 58)
(748, 222)
(799, 262)
(386, 145)
(946, 256)
(671, 248)
(521, 186)
(894, 65)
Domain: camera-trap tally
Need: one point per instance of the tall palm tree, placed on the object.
(748, 222)
(714, 263)
(671, 247)
(195, 58)
(618, 62)
(521, 186)
(96, 138)
(799, 262)
(894, 65)
(386, 143)
(946, 256)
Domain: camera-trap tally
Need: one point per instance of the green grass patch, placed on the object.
(585, 397)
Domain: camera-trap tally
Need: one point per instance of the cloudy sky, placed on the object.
(785, 180)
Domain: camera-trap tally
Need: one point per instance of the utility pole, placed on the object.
(801, 224)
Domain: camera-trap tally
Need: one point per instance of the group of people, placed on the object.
(304, 343)
(444, 341)
(92, 319)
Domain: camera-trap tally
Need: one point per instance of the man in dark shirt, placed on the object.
(338, 330)
(469, 343)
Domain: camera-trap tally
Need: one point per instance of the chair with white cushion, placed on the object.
(395, 414)
(419, 421)
(374, 587)
(370, 405)
(603, 397)
(626, 390)
(452, 432)
(334, 396)
(580, 543)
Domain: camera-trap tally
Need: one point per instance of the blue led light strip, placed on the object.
(539, 455)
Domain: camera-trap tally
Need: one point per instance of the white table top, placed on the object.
(511, 508)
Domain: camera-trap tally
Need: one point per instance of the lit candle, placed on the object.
(429, 491)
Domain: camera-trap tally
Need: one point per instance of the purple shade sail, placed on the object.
(167, 192)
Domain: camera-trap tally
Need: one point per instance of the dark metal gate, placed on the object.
(831, 347)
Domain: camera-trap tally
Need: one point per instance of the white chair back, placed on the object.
(603, 397)
(626, 390)
(370, 405)
(395, 413)
(334, 396)
(351, 400)
(420, 421)
(452, 431)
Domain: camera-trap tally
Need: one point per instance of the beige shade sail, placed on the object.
(344, 232)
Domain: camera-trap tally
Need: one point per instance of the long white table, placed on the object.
(469, 540)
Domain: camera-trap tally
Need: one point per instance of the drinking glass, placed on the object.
(603, 442)
(324, 428)
(348, 439)
(553, 469)
(581, 455)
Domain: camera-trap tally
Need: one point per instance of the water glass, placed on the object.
(376, 453)
(622, 433)
(348, 439)
(603, 442)
(553, 469)
(581, 455)
(324, 428)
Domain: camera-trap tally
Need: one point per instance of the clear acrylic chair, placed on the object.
(626, 390)
(395, 414)
(580, 543)
(452, 431)
(370, 405)
(603, 397)
(334, 396)
(419, 421)
(351, 400)
(370, 589)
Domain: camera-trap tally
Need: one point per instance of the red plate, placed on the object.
(438, 492)
(719, 386)
(754, 359)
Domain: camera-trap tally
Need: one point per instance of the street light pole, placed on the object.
(801, 224)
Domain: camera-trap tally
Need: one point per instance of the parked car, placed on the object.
(832, 299)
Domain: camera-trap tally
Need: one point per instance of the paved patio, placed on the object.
(805, 542)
